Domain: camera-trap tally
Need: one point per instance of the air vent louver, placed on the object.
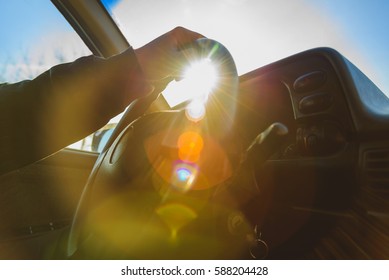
(376, 167)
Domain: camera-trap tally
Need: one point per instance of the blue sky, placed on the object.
(34, 37)
(25, 21)
(366, 23)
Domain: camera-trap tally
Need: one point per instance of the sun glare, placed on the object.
(199, 79)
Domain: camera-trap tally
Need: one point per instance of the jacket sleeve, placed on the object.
(68, 102)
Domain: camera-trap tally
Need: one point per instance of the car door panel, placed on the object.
(40, 198)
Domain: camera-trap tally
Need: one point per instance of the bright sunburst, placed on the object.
(199, 79)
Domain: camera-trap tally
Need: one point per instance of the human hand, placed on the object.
(162, 58)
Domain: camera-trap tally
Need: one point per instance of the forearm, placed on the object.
(63, 105)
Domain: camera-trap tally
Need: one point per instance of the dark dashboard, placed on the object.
(331, 174)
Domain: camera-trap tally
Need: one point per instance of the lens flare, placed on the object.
(190, 144)
(176, 216)
(185, 160)
(183, 174)
(195, 111)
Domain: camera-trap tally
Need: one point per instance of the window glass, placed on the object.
(35, 37)
(258, 32)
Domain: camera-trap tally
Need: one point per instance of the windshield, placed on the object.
(34, 37)
(259, 32)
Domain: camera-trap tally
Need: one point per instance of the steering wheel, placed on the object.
(166, 186)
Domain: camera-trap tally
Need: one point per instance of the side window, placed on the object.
(96, 141)
(36, 40)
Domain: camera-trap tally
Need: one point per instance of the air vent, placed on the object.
(376, 169)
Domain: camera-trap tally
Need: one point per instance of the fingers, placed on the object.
(163, 57)
(183, 37)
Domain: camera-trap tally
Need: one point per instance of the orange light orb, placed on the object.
(190, 144)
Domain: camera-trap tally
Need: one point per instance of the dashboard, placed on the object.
(310, 99)
(334, 164)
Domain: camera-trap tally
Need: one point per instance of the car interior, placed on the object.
(295, 166)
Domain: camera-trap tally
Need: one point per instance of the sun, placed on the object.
(199, 79)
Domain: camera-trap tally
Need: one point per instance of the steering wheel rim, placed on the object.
(221, 125)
